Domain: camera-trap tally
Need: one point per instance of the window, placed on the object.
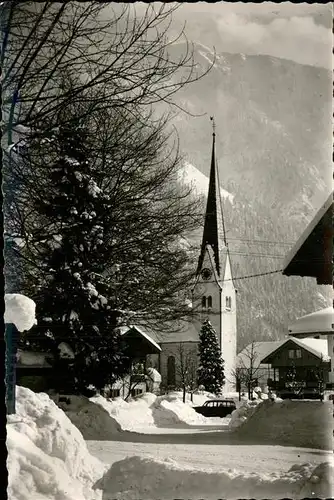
(228, 303)
(204, 302)
(114, 393)
(136, 392)
(171, 370)
(209, 301)
(295, 353)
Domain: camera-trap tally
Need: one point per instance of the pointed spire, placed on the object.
(213, 234)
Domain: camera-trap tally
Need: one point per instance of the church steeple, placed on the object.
(214, 231)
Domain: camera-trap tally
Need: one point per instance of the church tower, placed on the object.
(214, 293)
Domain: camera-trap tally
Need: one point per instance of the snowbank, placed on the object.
(130, 416)
(241, 414)
(148, 412)
(136, 477)
(93, 421)
(19, 310)
(47, 456)
(305, 424)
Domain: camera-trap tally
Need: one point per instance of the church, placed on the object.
(214, 297)
(174, 352)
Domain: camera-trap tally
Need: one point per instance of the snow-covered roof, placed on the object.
(66, 351)
(32, 359)
(316, 322)
(260, 351)
(308, 257)
(318, 347)
(185, 331)
(126, 329)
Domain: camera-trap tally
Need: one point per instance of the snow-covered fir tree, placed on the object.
(211, 365)
(75, 302)
(101, 215)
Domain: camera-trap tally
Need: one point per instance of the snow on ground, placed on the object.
(137, 477)
(19, 310)
(47, 456)
(211, 457)
(149, 413)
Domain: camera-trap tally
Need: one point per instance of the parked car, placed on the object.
(216, 408)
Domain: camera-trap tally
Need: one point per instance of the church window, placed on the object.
(228, 303)
(209, 301)
(204, 302)
(171, 371)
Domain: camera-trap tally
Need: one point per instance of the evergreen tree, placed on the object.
(76, 303)
(211, 365)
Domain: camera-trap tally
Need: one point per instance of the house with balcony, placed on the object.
(318, 325)
(299, 365)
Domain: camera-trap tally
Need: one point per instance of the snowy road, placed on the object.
(243, 458)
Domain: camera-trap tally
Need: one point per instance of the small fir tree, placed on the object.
(211, 365)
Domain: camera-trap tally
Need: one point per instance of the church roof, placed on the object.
(181, 332)
(214, 233)
(173, 331)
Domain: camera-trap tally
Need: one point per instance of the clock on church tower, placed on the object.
(206, 273)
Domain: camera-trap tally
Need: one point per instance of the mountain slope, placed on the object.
(273, 121)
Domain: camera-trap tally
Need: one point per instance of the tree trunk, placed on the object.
(184, 394)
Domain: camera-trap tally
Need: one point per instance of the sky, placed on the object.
(299, 32)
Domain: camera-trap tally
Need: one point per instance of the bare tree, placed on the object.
(145, 213)
(319, 373)
(186, 368)
(248, 368)
(135, 377)
(126, 56)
